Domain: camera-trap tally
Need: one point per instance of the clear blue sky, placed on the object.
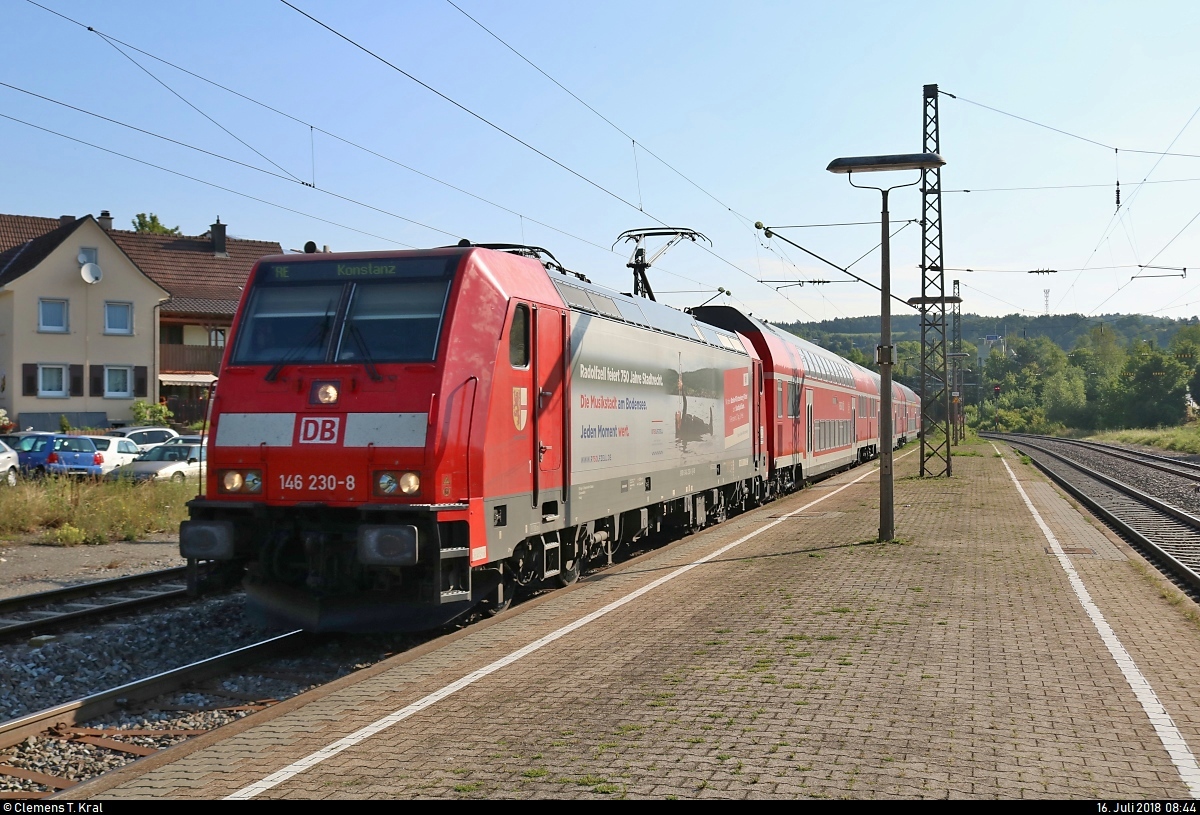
(748, 100)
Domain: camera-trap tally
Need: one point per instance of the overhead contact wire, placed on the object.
(181, 98)
(211, 184)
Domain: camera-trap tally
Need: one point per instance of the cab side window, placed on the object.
(518, 337)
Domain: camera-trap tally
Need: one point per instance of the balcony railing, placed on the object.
(177, 358)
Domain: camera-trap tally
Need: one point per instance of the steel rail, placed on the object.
(81, 710)
(11, 604)
(1185, 573)
(1165, 464)
(88, 600)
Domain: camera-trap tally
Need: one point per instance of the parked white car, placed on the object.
(9, 466)
(115, 450)
(145, 438)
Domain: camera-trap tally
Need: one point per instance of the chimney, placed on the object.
(218, 239)
(63, 220)
(105, 220)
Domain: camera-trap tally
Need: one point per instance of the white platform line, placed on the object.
(1172, 740)
(359, 736)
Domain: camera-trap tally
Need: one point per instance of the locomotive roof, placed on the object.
(640, 311)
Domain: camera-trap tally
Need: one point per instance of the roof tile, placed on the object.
(197, 279)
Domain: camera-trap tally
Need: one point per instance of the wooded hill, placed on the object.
(1050, 373)
(1064, 330)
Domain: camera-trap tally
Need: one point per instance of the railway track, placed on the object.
(48, 610)
(1167, 534)
(65, 725)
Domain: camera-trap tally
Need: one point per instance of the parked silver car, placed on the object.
(166, 462)
(193, 439)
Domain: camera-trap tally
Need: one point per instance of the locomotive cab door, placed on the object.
(548, 406)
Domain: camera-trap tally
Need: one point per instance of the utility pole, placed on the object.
(957, 419)
(935, 395)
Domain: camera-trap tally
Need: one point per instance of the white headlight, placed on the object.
(327, 394)
(410, 483)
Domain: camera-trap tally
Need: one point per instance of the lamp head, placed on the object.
(875, 164)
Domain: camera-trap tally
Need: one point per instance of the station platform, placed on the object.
(990, 652)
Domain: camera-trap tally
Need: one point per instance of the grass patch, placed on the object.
(1184, 439)
(1165, 590)
(69, 512)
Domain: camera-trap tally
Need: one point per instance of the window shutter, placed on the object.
(29, 377)
(140, 382)
(97, 388)
(76, 380)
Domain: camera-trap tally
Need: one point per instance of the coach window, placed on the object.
(518, 337)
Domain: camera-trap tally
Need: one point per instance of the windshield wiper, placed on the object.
(368, 363)
(318, 331)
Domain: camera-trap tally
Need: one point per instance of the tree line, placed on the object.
(1123, 371)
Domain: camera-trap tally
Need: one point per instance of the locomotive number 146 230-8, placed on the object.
(317, 483)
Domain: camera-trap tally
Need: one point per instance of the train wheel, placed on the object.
(571, 567)
(501, 598)
(569, 572)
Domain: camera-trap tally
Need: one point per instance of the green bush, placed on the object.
(156, 415)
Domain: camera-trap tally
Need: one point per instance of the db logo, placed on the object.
(322, 430)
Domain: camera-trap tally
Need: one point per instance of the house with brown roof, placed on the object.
(93, 318)
(204, 275)
(78, 324)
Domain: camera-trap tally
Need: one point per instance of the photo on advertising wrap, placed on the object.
(652, 401)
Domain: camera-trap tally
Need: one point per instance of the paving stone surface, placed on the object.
(806, 662)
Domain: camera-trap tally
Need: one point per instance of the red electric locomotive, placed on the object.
(400, 437)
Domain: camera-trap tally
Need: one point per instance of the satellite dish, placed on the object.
(91, 273)
(83, 258)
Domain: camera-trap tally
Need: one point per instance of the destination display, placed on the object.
(305, 271)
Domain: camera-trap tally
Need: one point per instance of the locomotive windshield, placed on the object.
(364, 311)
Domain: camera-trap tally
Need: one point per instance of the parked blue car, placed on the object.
(57, 454)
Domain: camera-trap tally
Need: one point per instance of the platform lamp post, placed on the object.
(885, 353)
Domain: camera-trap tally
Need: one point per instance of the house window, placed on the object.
(52, 316)
(118, 382)
(118, 318)
(172, 334)
(52, 381)
(216, 337)
(88, 254)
